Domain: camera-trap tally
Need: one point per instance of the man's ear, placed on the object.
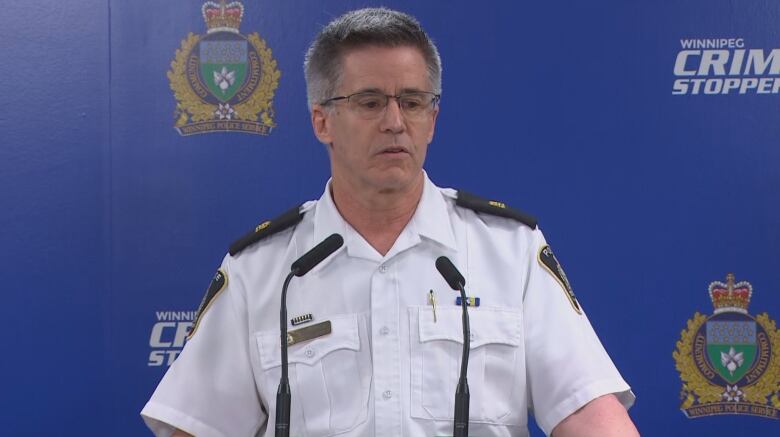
(321, 124)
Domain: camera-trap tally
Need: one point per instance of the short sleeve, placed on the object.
(567, 365)
(209, 391)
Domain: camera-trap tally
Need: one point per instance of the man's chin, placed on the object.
(398, 181)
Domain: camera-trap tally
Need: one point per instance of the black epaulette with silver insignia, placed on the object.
(493, 207)
(266, 229)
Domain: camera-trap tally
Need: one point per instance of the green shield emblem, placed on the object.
(731, 347)
(223, 66)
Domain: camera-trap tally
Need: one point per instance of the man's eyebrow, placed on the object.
(368, 90)
(380, 91)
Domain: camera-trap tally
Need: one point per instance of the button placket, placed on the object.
(386, 349)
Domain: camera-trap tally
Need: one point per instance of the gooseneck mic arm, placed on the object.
(457, 283)
(462, 392)
(283, 396)
(300, 267)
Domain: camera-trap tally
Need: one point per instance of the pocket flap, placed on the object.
(344, 335)
(488, 325)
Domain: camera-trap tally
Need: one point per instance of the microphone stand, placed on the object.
(283, 396)
(300, 267)
(456, 281)
(461, 419)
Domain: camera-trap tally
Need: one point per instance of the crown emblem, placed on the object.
(222, 17)
(730, 297)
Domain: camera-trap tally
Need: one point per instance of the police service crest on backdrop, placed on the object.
(729, 362)
(223, 80)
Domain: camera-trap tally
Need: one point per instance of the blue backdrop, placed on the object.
(112, 223)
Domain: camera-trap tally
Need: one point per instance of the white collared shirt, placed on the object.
(388, 368)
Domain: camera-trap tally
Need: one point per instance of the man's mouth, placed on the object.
(394, 150)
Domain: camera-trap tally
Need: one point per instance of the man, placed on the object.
(389, 365)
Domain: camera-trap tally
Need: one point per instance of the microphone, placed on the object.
(456, 282)
(300, 267)
(450, 273)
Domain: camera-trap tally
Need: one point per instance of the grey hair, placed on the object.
(364, 27)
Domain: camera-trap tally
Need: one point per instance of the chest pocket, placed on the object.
(330, 377)
(496, 372)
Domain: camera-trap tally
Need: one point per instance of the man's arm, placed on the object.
(180, 433)
(601, 417)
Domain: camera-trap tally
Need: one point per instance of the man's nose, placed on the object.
(393, 118)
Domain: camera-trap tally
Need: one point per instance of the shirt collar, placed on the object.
(327, 219)
(431, 220)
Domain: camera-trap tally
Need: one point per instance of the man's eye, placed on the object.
(411, 104)
(413, 101)
(369, 103)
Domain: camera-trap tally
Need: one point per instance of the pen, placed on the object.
(432, 301)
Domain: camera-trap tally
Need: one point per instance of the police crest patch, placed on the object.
(223, 81)
(729, 362)
(548, 260)
(218, 283)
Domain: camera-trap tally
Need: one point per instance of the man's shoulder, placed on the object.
(487, 207)
(267, 228)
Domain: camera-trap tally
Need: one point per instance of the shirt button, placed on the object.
(387, 394)
(309, 353)
(385, 330)
(382, 268)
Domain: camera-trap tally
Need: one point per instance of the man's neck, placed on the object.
(378, 216)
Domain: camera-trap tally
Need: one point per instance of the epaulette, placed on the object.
(493, 207)
(266, 229)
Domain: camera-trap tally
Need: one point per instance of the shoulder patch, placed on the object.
(550, 263)
(218, 283)
(266, 229)
(493, 207)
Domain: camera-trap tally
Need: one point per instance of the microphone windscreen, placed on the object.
(302, 265)
(450, 273)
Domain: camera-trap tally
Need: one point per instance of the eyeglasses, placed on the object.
(370, 105)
